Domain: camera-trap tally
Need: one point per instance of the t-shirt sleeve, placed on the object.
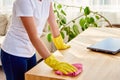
(24, 8)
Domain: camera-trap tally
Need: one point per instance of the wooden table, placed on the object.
(96, 65)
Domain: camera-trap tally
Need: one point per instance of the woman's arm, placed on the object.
(52, 22)
(49, 59)
(57, 38)
(31, 29)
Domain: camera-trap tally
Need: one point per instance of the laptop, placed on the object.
(108, 45)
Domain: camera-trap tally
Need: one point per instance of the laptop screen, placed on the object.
(110, 45)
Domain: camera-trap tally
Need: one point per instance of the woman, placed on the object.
(18, 48)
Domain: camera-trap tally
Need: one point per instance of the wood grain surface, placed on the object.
(96, 65)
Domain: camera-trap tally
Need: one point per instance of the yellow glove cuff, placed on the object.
(51, 61)
(59, 43)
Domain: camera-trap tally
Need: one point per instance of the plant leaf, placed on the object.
(92, 20)
(86, 25)
(95, 24)
(97, 17)
(67, 29)
(86, 11)
(73, 21)
(62, 34)
(55, 11)
(58, 14)
(71, 35)
(75, 29)
(55, 5)
(59, 6)
(82, 22)
(49, 37)
(63, 20)
(63, 12)
(87, 20)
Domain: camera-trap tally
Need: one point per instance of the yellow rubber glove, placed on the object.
(59, 43)
(61, 66)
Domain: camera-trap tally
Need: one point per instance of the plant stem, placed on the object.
(75, 19)
(110, 25)
(71, 21)
(67, 5)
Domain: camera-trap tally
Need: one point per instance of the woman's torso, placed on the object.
(17, 41)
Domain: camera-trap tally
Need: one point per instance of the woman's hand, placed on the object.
(61, 66)
(59, 43)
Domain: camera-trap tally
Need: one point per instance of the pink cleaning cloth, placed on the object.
(77, 65)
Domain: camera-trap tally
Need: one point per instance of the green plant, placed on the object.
(87, 19)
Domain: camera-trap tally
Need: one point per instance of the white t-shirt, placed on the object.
(17, 41)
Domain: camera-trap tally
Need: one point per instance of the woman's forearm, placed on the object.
(31, 30)
(40, 47)
(53, 24)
